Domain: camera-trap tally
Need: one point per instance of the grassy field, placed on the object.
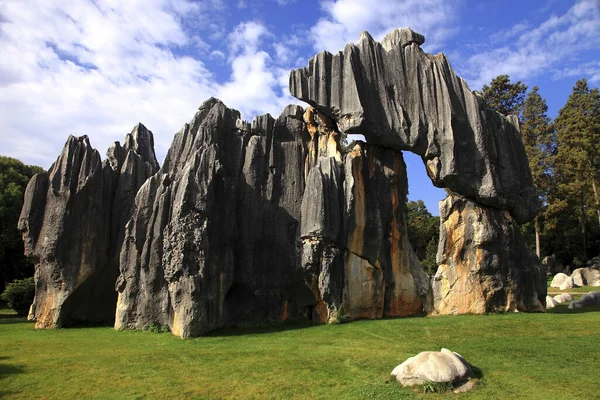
(581, 290)
(521, 356)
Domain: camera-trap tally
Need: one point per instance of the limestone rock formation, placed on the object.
(249, 223)
(355, 251)
(550, 302)
(213, 237)
(72, 223)
(398, 96)
(484, 263)
(585, 277)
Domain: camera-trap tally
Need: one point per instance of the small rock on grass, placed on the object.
(433, 366)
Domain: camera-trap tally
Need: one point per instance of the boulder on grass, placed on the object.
(559, 279)
(585, 276)
(590, 299)
(433, 366)
(568, 284)
(563, 298)
(550, 302)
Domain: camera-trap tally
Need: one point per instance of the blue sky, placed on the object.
(98, 67)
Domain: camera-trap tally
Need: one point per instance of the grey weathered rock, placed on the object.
(558, 280)
(484, 262)
(213, 238)
(594, 263)
(72, 222)
(248, 223)
(383, 276)
(590, 299)
(398, 96)
(433, 366)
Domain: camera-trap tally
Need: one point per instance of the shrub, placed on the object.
(19, 295)
(436, 387)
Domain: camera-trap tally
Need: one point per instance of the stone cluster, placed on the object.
(273, 220)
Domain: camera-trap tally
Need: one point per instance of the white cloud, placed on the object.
(507, 34)
(560, 40)
(590, 69)
(97, 69)
(256, 83)
(346, 19)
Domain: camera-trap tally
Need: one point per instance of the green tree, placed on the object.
(423, 232)
(577, 163)
(503, 96)
(14, 176)
(539, 142)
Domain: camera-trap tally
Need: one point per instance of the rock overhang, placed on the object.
(398, 96)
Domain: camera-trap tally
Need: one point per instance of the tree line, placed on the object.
(14, 176)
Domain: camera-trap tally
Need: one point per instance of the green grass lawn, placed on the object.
(521, 356)
(582, 290)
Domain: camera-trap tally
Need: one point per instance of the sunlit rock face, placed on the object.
(72, 222)
(399, 97)
(355, 250)
(485, 265)
(382, 275)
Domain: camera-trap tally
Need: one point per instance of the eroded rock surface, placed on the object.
(433, 366)
(398, 96)
(213, 239)
(355, 251)
(485, 264)
(249, 223)
(72, 223)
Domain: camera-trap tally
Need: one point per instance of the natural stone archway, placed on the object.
(399, 97)
(270, 220)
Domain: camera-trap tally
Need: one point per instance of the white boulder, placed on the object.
(585, 276)
(558, 280)
(433, 366)
(563, 298)
(567, 284)
(550, 302)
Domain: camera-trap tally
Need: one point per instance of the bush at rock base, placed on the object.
(19, 295)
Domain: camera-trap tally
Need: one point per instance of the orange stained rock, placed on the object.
(365, 289)
(176, 325)
(45, 311)
(356, 237)
(405, 300)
